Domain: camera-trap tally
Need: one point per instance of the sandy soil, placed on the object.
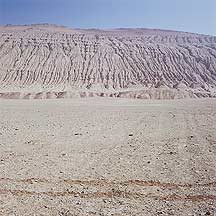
(107, 157)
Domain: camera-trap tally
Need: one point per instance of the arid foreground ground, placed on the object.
(107, 157)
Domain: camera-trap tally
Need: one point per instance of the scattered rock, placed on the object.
(78, 203)
(77, 134)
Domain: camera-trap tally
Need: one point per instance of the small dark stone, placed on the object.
(148, 162)
(171, 152)
(208, 213)
(130, 134)
(76, 134)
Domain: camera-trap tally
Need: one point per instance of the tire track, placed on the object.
(109, 189)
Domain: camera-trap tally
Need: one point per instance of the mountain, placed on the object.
(50, 61)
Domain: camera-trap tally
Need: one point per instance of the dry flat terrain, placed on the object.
(107, 157)
(48, 61)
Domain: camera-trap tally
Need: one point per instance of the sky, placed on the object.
(197, 16)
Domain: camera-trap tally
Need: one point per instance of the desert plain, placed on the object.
(107, 122)
(108, 156)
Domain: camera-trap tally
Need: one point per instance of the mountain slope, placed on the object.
(48, 61)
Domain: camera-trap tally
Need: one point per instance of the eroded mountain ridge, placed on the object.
(47, 61)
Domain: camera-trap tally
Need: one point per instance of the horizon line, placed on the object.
(103, 29)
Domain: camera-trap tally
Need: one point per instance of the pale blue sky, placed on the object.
(184, 15)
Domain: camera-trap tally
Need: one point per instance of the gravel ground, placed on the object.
(101, 156)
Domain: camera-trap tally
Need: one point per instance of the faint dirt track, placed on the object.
(109, 191)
